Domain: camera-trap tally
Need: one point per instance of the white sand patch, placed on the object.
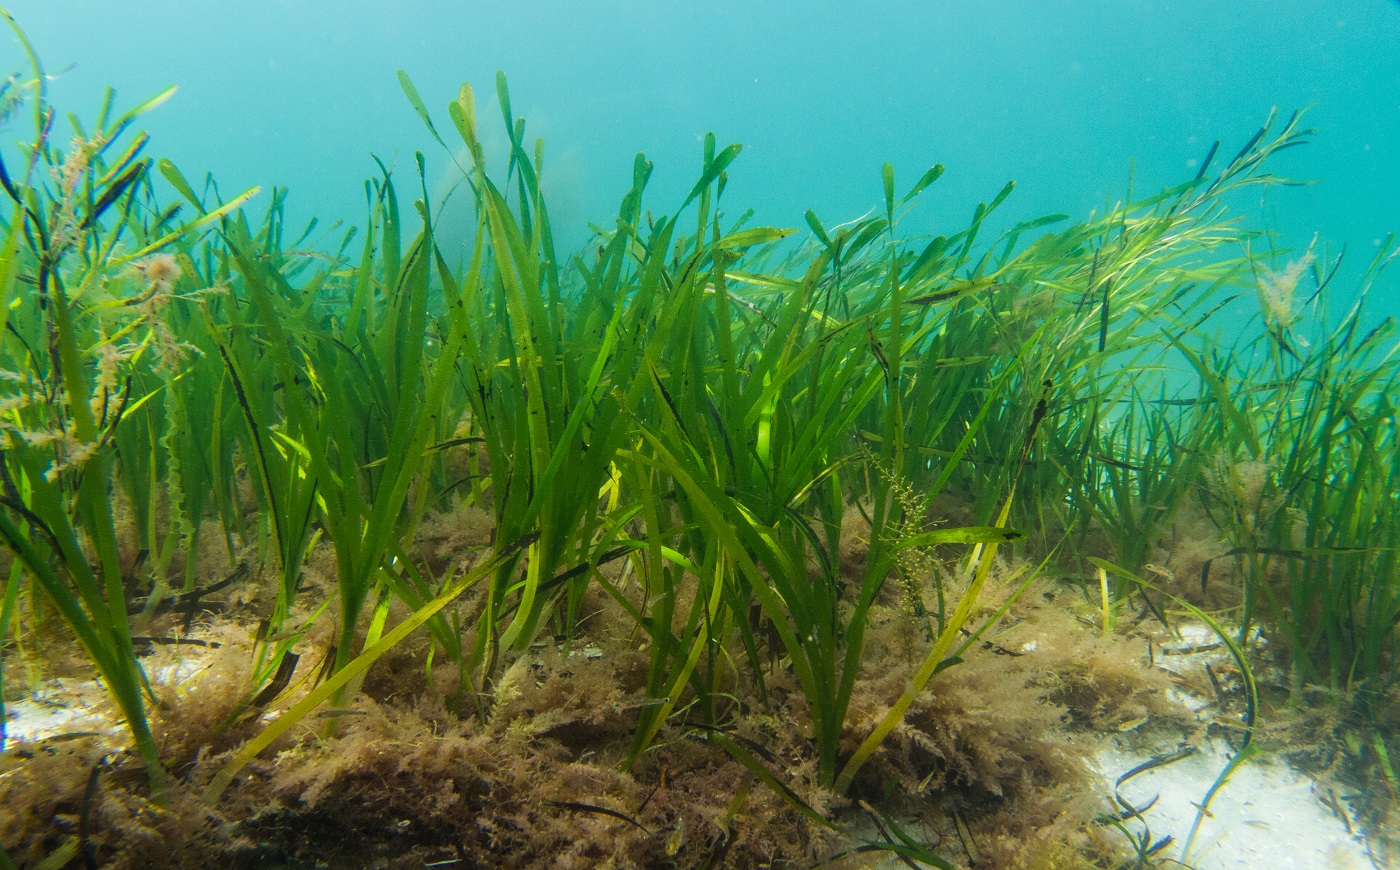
(1267, 816)
(58, 707)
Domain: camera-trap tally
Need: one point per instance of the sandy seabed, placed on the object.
(1010, 759)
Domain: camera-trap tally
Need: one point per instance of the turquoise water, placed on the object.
(1067, 97)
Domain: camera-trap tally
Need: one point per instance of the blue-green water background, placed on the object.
(1067, 97)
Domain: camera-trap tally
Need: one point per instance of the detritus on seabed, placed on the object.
(991, 764)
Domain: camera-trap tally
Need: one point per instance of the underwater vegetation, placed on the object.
(646, 547)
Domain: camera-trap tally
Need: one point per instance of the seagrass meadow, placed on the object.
(711, 544)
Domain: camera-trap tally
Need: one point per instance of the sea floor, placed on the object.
(1266, 815)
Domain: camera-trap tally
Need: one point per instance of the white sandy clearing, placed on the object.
(60, 706)
(1267, 816)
